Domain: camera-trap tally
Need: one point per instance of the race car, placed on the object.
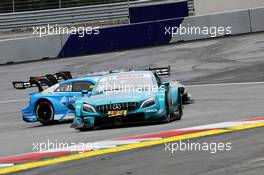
(132, 96)
(56, 102)
(186, 96)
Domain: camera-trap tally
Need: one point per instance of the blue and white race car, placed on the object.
(126, 97)
(56, 103)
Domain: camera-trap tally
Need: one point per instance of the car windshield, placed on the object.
(124, 82)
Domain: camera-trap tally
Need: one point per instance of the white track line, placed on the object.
(117, 54)
(226, 84)
(6, 165)
(12, 101)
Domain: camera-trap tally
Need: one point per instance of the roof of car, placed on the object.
(88, 78)
(94, 79)
(129, 72)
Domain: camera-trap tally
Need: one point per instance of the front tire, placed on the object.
(45, 113)
(85, 129)
(174, 115)
(180, 113)
(167, 118)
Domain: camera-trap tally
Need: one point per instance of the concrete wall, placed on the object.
(257, 19)
(214, 6)
(127, 36)
(31, 48)
(238, 23)
(154, 33)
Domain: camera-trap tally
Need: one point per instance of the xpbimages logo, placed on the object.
(213, 31)
(58, 30)
(57, 146)
(212, 147)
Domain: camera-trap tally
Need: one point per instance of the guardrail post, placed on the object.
(13, 5)
(128, 6)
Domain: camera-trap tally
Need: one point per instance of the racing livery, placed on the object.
(56, 103)
(112, 103)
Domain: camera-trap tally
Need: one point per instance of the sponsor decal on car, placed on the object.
(129, 76)
(117, 113)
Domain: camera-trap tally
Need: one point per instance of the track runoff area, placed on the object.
(210, 91)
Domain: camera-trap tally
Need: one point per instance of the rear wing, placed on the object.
(160, 70)
(40, 81)
(54, 78)
(30, 84)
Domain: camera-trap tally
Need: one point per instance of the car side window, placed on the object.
(67, 87)
(82, 85)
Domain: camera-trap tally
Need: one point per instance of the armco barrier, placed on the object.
(70, 16)
(239, 22)
(30, 48)
(257, 19)
(160, 11)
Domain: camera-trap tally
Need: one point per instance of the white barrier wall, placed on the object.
(202, 7)
(30, 48)
(257, 19)
(237, 22)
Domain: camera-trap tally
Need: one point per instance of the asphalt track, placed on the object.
(225, 60)
(245, 158)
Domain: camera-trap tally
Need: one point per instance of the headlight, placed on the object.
(88, 108)
(148, 103)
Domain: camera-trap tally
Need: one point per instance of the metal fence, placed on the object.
(64, 16)
(7, 6)
(70, 16)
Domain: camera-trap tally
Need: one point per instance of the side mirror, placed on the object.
(71, 107)
(166, 83)
(84, 92)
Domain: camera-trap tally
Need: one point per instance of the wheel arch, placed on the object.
(173, 97)
(43, 100)
(44, 122)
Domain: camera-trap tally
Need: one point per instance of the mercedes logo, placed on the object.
(117, 107)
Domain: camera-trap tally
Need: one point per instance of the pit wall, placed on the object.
(127, 36)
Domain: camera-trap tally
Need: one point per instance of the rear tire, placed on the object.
(45, 112)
